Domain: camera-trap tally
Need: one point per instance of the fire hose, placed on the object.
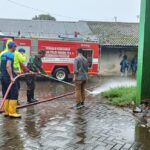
(9, 88)
(38, 102)
(89, 92)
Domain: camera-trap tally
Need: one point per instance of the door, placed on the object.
(88, 54)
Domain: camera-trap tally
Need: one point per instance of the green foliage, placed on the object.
(121, 96)
(44, 17)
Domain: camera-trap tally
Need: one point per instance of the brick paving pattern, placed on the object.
(55, 126)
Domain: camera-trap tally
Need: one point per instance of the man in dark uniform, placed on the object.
(8, 76)
(34, 65)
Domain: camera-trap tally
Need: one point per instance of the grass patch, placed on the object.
(121, 96)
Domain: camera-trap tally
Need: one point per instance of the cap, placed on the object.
(11, 45)
(21, 50)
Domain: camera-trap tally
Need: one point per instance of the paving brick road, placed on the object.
(54, 126)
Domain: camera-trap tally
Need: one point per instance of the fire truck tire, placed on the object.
(61, 74)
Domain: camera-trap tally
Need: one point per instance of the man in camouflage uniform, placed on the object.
(34, 65)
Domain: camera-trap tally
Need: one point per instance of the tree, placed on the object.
(44, 17)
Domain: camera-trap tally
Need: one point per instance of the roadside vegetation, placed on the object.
(121, 96)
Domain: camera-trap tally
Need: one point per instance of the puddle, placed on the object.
(142, 135)
(52, 125)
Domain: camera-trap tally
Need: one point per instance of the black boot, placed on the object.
(30, 96)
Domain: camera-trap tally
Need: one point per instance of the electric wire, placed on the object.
(41, 11)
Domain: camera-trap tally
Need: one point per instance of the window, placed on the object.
(88, 54)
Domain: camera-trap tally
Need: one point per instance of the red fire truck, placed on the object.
(60, 54)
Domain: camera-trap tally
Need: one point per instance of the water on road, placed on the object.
(54, 126)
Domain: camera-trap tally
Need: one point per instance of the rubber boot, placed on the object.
(30, 96)
(6, 106)
(12, 109)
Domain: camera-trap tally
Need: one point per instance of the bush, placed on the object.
(121, 96)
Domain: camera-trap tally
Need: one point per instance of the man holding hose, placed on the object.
(34, 65)
(8, 76)
(19, 58)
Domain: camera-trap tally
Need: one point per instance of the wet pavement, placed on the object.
(55, 126)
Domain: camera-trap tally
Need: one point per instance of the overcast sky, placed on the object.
(73, 10)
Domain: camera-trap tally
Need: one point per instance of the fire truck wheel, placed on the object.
(60, 74)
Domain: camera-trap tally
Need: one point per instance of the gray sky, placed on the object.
(74, 10)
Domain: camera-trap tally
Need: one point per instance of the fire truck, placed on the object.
(60, 54)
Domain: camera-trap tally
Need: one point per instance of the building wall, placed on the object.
(110, 60)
